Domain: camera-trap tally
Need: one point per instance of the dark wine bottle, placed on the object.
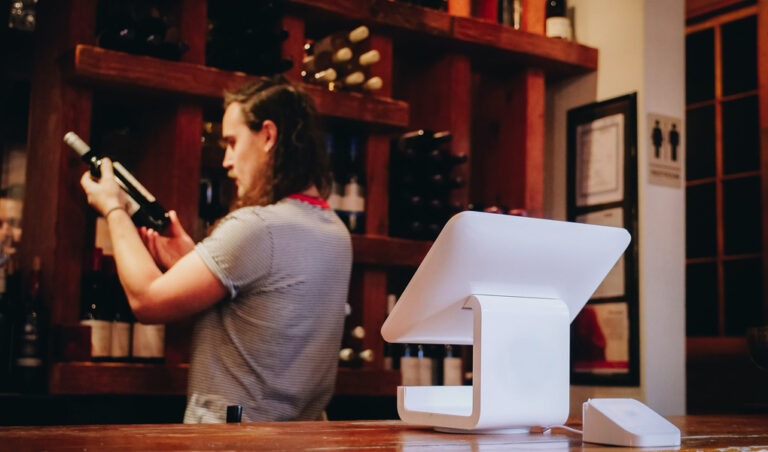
(143, 207)
(352, 210)
(121, 315)
(452, 367)
(557, 23)
(96, 309)
(30, 350)
(120, 348)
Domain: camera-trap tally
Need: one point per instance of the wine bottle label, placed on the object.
(425, 371)
(409, 370)
(132, 207)
(101, 337)
(121, 340)
(558, 27)
(148, 341)
(452, 371)
(133, 181)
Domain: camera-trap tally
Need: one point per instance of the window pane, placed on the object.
(700, 221)
(743, 295)
(700, 143)
(739, 41)
(741, 136)
(741, 216)
(701, 300)
(700, 66)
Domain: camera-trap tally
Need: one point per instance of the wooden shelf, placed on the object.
(507, 45)
(367, 382)
(163, 379)
(382, 250)
(117, 378)
(109, 68)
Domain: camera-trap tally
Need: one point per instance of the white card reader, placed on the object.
(626, 422)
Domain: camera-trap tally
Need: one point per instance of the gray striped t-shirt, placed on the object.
(272, 346)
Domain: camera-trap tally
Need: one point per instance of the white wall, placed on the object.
(641, 49)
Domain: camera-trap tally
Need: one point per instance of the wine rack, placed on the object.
(436, 69)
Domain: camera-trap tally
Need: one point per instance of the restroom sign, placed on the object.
(665, 150)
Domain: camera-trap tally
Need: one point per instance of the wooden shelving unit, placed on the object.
(439, 70)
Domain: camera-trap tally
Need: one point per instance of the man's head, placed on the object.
(273, 144)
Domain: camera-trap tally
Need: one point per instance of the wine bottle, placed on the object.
(360, 63)
(409, 367)
(353, 201)
(148, 343)
(422, 140)
(452, 368)
(30, 351)
(348, 357)
(121, 322)
(335, 41)
(96, 309)
(424, 365)
(316, 63)
(334, 198)
(557, 23)
(143, 207)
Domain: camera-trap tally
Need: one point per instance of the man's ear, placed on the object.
(270, 139)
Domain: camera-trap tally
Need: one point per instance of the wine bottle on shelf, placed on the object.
(331, 43)
(334, 198)
(353, 353)
(353, 201)
(510, 13)
(409, 367)
(453, 371)
(421, 140)
(96, 311)
(348, 357)
(148, 343)
(348, 82)
(122, 316)
(29, 364)
(355, 74)
(424, 364)
(558, 25)
(143, 206)
(313, 64)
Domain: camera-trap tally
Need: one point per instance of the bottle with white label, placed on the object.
(452, 368)
(352, 210)
(409, 367)
(425, 363)
(557, 24)
(96, 311)
(143, 206)
(148, 343)
(120, 348)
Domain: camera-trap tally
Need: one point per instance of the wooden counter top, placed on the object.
(699, 432)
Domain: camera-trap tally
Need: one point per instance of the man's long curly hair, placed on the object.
(299, 158)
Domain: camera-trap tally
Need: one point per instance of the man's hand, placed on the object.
(103, 194)
(167, 250)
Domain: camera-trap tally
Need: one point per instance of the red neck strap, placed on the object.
(314, 200)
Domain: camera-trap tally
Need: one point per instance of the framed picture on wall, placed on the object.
(602, 190)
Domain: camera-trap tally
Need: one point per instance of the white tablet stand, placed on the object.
(510, 286)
